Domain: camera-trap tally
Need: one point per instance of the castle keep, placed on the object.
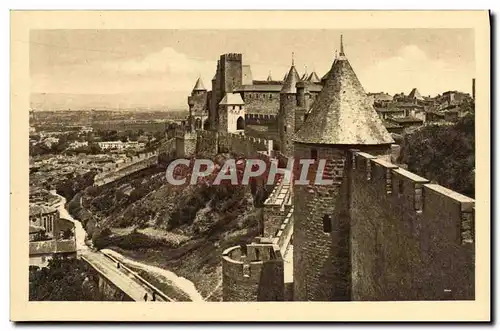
(378, 232)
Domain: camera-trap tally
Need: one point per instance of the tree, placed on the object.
(444, 154)
(64, 279)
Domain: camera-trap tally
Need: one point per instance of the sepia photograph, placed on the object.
(331, 163)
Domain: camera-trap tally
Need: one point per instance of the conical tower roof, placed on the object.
(291, 79)
(313, 77)
(199, 85)
(269, 77)
(305, 75)
(415, 94)
(342, 114)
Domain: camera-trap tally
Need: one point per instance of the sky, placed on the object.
(161, 66)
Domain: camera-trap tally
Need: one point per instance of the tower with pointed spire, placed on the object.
(340, 119)
(198, 106)
(286, 113)
(305, 75)
(269, 77)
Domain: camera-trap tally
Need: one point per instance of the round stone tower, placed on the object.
(341, 119)
(253, 272)
(286, 114)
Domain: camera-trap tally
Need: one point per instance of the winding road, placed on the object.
(124, 278)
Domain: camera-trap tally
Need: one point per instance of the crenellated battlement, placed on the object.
(242, 144)
(411, 191)
(405, 231)
(253, 272)
(232, 57)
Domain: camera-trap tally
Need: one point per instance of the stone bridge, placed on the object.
(120, 282)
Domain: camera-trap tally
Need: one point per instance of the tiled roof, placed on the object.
(232, 99)
(36, 209)
(407, 119)
(313, 77)
(389, 110)
(381, 96)
(314, 87)
(323, 79)
(415, 94)
(36, 228)
(292, 78)
(199, 85)
(342, 113)
(391, 125)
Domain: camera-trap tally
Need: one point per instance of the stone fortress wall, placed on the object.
(120, 170)
(252, 272)
(403, 231)
(410, 240)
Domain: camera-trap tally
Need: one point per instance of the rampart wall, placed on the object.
(253, 272)
(410, 240)
(211, 142)
(119, 170)
(185, 143)
(262, 103)
(276, 208)
(243, 145)
(206, 143)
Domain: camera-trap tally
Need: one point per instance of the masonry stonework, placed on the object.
(406, 235)
(253, 272)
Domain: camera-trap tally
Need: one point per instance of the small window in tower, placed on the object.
(284, 128)
(270, 96)
(257, 254)
(327, 224)
(314, 154)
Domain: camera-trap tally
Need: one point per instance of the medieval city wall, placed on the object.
(410, 240)
(276, 208)
(243, 145)
(185, 143)
(120, 170)
(262, 103)
(168, 148)
(253, 272)
(206, 143)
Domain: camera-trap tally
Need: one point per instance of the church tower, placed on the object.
(340, 119)
(286, 113)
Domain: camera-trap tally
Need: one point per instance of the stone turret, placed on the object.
(340, 119)
(198, 106)
(286, 113)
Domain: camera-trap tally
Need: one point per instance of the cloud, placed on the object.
(177, 70)
(411, 67)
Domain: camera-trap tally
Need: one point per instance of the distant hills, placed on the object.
(167, 100)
